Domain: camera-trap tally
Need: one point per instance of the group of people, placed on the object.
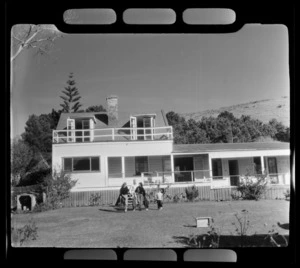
(138, 196)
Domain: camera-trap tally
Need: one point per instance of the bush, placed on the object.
(209, 240)
(252, 188)
(178, 198)
(95, 200)
(22, 235)
(242, 224)
(42, 207)
(235, 195)
(57, 189)
(191, 193)
(287, 194)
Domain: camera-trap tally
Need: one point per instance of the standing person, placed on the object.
(141, 196)
(159, 199)
(132, 194)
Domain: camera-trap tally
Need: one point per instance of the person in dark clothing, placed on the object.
(124, 191)
(141, 196)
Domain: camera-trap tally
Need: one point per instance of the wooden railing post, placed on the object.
(113, 134)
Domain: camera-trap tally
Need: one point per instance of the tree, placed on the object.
(225, 128)
(54, 118)
(38, 135)
(71, 99)
(179, 127)
(281, 133)
(39, 37)
(96, 108)
(21, 156)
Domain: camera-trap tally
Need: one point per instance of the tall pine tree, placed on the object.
(71, 99)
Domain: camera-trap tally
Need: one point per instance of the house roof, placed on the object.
(101, 119)
(213, 147)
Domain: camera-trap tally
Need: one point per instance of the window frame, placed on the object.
(218, 176)
(81, 171)
(146, 160)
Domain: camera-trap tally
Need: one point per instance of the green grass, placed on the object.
(104, 226)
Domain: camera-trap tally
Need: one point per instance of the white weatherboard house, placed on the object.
(104, 149)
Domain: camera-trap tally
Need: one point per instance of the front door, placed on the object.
(272, 166)
(234, 172)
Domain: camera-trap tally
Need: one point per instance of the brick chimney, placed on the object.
(112, 110)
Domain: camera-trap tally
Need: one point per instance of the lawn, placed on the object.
(105, 226)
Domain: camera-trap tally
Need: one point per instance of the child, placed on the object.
(159, 199)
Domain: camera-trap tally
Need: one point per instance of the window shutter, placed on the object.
(92, 131)
(133, 131)
(71, 130)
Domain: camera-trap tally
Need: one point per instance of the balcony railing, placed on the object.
(179, 176)
(203, 176)
(198, 177)
(112, 134)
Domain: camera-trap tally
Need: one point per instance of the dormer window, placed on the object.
(80, 129)
(142, 127)
(82, 136)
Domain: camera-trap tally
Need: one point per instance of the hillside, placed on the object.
(263, 110)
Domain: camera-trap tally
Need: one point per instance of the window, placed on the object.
(82, 135)
(257, 165)
(81, 164)
(141, 164)
(95, 164)
(148, 124)
(272, 165)
(68, 164)
(144, 123)
(217, 168)
(114, 167)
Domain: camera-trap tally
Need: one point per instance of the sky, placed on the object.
(149, 72)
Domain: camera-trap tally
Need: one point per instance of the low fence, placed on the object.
(109, 197)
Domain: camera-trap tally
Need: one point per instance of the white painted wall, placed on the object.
(104, 150)
(152, 148)
(220, 183)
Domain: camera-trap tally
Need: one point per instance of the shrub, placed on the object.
(191, 193)
(42, 207)
(287, 194)
(95, 199)
(252, 188)
(22, 235)
(235, 195)
(209, 240)
(242, 225)
(57, 189)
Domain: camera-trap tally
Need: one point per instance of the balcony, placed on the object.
(112, 134)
